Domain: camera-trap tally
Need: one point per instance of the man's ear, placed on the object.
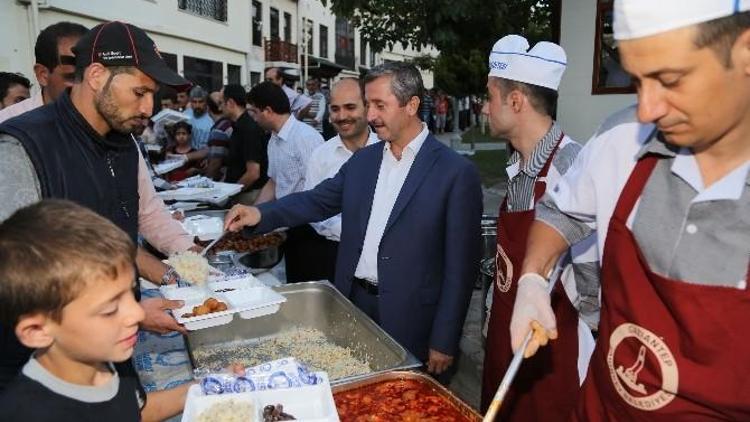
(741, 51)
(412, 106)
(96, 76)
(516, 100)
(33, 331)
(42, 74)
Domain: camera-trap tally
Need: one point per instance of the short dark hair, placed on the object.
(166, 92)
(236, 93)
(46, 51)
(406, 81)
(267, 94)
(50, 252)
(721, 34)
(8, 79)
(182, 124)
(542, 99)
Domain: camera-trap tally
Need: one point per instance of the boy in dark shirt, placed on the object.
(66, 279)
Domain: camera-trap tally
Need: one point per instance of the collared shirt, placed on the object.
(35, 101)
(325, 162)
(288, 154)
(521, 180)
(685, 230)
(391, 179)
(201, 128)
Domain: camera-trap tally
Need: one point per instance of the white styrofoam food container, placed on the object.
(203, 226)
(244, 295)
(312, 403)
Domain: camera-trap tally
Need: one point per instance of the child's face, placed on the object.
(181, 137)
(101, 324)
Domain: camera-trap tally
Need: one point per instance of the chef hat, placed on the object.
(641, 18)
(543, 65)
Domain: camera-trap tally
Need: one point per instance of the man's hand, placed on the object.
(438, 362)
(157, 319)
(532, 310)
(240, 216)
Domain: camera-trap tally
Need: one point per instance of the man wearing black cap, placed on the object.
(79, 148)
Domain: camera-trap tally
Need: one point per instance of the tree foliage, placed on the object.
(463, 31)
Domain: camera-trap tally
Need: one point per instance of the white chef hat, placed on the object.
(543, 65)
(641, 18)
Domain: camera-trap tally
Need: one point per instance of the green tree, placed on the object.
(463, 31)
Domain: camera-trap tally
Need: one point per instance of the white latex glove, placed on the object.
(532, 310)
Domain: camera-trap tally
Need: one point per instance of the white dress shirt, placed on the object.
(288, 154)
(325, 162)
(391, 179)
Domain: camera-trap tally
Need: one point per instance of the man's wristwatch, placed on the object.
(169, 275)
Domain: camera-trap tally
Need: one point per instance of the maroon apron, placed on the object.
(667, 350)
(547, 383)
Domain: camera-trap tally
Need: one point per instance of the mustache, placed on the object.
(344, 121)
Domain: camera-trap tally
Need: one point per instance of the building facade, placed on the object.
(210, 42)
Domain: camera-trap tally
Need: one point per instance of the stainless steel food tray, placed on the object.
(465, 409)
(320, 306)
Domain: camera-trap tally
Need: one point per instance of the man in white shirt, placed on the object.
(349, 117)
(291, 145)
(410, 234)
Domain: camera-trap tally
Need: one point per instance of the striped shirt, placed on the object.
(317, 111)
(288, 153)
(521, 180)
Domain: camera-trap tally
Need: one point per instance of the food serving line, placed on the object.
(305, 345)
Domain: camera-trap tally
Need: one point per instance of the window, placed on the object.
(274, 24)
(257, 23)
(216, 9)
(323, 35)
(608, 77)
(372, 57)
(344, 43)
(287, 27)
(362, 51)
(254, 78)
(170, 59)
(309, 36)
(206, 73)
(234, 74)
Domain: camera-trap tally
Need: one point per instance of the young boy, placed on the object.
(66, 279)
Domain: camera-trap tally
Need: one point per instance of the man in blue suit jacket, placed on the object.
(411, 210)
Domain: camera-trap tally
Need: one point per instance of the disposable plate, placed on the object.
(313, 403)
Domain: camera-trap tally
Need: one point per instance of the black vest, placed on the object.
(74, 162)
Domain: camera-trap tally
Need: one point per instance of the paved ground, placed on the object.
(467, 382)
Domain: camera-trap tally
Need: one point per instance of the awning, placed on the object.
(322, 68)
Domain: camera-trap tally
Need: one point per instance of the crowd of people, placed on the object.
(644, 223)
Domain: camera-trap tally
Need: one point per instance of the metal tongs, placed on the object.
(213, 242)
(515, 363)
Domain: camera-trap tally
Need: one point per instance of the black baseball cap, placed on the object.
(118, 43)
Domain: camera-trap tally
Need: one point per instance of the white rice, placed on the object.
(190, 266)
(228, 411)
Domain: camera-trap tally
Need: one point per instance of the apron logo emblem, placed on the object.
(503, 277)
(627, 374)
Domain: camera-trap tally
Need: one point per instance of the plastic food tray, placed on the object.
(245, 296)
(203, 226)
(313, 403)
